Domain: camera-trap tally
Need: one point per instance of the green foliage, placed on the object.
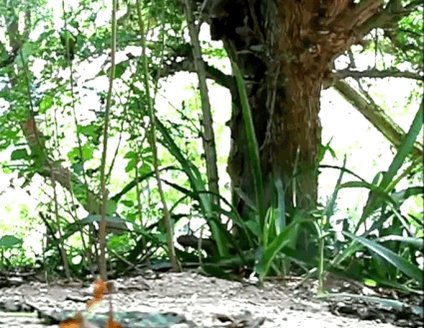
(397, 261)
(409, 37)
(253, 148)
(275, 246)
(381, 245)
(199, 190)
(387, 182)
(384, 207)
(9, 241)
(11, 251)
(20, 154)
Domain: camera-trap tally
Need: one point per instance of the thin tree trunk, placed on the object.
(153, 144)
(377, 117)
(208, 136)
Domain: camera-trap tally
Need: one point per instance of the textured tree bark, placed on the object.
(289, 138)
(285, 50)
(296, 139)
(283, 74)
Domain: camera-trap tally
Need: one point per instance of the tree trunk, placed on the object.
(283, 74)
(296, 138)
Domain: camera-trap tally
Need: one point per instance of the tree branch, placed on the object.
(376, 116)
(389, 16)
(208, 133)
(212, 73)
(374, 73)
(356, 16)
(353, 24)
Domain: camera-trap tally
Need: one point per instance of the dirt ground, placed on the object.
(201, 302)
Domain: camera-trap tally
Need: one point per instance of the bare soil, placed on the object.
(202, 301)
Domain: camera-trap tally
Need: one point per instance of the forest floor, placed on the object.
(192, 300)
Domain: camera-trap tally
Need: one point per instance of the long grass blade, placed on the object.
(271, 251)
(399, 262)
(405, 148)
(199, 188)
(252, 145)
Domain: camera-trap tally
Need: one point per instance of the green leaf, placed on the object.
(9, 241)
(120, 69)
(87, 151)
(194, 175)
(111, 206)
(130, 165)
(406, 146)
(346, 253)
(245, 198)
(77, 167)
(271, 251)
(146, 168)
(45, 104)
(252, 145)
(114, 223)
(28, 48)
(199, 189)
(399, 262)
(373, 188)
(401, 196)
(19, 154)
(88, 130)
(253, 226)
(127, 202)
(327, 148)
(331, 203)
(370, 186)
(374, 201)
(130, 154)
